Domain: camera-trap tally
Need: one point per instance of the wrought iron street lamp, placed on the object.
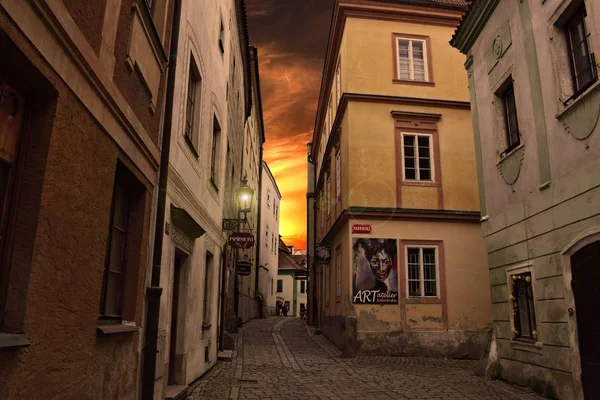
(244, 195)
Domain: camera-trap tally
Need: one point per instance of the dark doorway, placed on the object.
(174, 359)
(585, 266)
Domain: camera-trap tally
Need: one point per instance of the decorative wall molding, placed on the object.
(510, 166)
(498, 47)
(181, 240)
(581, 118)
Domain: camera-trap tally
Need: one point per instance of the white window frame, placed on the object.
(417, 168)
(268, 198)
(421, 271)
(518, 269)
(410, 58)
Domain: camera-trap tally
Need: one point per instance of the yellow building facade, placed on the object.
(396, 186)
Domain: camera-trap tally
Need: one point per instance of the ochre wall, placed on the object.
(371, 172)
(466, 278)
(370, 65)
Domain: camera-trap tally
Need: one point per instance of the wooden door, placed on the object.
(585, 265)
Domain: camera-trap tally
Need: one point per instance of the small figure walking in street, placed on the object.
(285, 310)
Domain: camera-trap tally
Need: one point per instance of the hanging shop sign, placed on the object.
(243, 267)
(323, 254)
(361, 228)
(241, 240)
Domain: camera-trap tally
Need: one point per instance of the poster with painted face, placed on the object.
(375, 267)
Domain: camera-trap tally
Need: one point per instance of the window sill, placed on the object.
(188, 141)
(419, 183)
(111, 329)
(574, 101)
(214, 185)
(423, 300)
(13, 340)
(527, 345)
(412, 82)
(510, 154)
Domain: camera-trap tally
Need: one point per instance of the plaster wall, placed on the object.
(252, 160)
(372, 173)
(192, 188)
(269, 225)
(553, 202)
(64, 195)
(371, 39)
(413, 328)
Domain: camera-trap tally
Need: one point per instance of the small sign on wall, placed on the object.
(361, 228)
(323, 254)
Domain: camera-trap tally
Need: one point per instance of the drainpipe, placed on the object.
(154, 291)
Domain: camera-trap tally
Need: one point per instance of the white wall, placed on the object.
(190, 187)
(269, 234)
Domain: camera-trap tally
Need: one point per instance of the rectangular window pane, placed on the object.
(512, 126)
(113, 295)
(429, 272)
(409, 157)
(418, 60)
(279, 286)
(523, 308)
(403, 59)
(581, 58)
(414, 272)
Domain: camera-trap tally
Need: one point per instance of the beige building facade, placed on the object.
(212, 57)
(248, 304)
(270, 201)
(399, 262)
(533, 78)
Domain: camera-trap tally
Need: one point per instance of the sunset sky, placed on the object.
(291, 37)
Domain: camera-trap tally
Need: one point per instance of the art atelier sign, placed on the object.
(361, 228)
(241, 240)
(375, 271)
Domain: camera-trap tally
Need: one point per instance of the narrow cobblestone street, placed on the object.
(279, 358)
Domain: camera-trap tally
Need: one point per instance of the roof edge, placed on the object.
(472, 23)
(272, 178)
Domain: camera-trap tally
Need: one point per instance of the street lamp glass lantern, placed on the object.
(244, 196)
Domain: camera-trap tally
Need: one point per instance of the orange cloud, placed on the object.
(291, 37)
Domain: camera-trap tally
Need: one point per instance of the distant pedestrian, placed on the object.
(278, 309)
(285, 310)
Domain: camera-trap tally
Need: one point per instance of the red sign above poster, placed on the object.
(241, 240)
(361, 228)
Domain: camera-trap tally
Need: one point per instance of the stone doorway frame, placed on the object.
(580, 241)
(183, 244)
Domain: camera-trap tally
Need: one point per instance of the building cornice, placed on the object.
(403, 11)
(398, 214)
(472, 23)
(266, 166)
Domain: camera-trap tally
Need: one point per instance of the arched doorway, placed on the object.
(585, 270)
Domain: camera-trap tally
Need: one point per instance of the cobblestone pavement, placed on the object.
(278, 358)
